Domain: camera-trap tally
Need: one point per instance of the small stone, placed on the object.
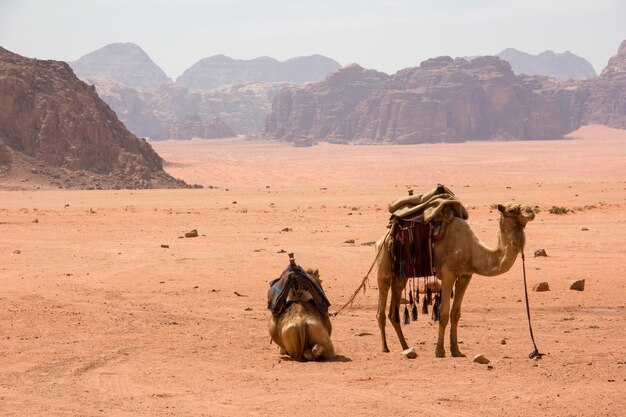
(541, 287)
(409, 353)
(36, 221)
(192, 233)
(503, 342)
(165, 246)
(481, 359)
(287, 229)
(490, 367)
(584, 229)
(578, 285)
(540, 252)
(16, 252)
(350, 241)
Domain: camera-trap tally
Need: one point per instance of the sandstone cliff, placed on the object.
(125, 63)
(221, 70)
(562, 66)
(607, 94)
(58, 125)
(443, 99)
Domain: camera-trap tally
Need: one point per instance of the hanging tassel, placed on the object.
(436, 307)
(417, 295)
(425, 306)
(429, 294)
(411, 297)
(414, 312)
(407, 319)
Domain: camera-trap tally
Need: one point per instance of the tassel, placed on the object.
(414, 312)
(411, 297)
(417, 295)
(436, 307)
(425, 306)
(429, 294)
(406, 315)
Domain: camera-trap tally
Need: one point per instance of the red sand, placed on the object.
(97, 319)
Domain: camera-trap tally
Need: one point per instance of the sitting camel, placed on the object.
(457, 257)
(301, 330)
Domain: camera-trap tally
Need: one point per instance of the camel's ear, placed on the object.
(501, 208)
(316, 274)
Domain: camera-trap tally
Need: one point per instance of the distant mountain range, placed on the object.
(562, 66)
(217, 97)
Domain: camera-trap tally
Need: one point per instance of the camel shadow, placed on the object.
(336, 358)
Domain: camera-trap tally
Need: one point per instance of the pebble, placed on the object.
(409, 353)
(481, 359)
(541, 286)
(540, 252)
(577, 285)
(192, 233)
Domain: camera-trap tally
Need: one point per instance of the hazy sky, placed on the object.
(384, 35)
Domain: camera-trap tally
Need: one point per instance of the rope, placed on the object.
(366, 278)
(535, 354)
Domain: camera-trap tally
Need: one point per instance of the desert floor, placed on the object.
(98, 319)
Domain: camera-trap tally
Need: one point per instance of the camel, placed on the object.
(301, 331)
(457, 257)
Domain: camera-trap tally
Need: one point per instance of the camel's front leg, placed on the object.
(455, 314)
(447, 280)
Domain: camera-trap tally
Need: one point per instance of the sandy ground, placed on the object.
(98, 319)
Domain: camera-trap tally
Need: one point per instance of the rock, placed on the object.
(541, 287)
(16, 252)
(540, 252)
(349, 241)
(287, 229)
(192, 233)
(409, 353)
(577, 285)
(481, 359)
(51, 119)
(194, 126)
(165, 246)
(503, 342)
(35, 220)
(126, 63)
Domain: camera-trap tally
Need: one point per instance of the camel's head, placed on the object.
(516, 213)
(315, 274)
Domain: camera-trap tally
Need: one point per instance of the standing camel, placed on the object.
(457, 257)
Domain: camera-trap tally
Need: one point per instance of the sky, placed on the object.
(386, 35)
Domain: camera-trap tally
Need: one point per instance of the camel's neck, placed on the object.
(497, 261)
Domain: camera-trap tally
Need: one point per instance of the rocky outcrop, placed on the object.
(153, 112)
(58, 124)
(221, 70)
(562, 66)
(125, 63)
(193, 126)
(443, 99)
(606, 103)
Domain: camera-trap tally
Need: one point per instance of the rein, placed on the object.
(535, 354)
(366, 278)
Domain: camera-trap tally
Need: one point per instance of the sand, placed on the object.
(98, 319)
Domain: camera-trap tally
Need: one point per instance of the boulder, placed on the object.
(577, 285)
(541, 287)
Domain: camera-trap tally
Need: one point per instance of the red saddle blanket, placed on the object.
(411, 252)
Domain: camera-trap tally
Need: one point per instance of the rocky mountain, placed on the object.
(155, 111)
(443, 99)
(125, 63)
(221, 70)
(56, 127)
(193, 126)
(562, 66)
(606, 103)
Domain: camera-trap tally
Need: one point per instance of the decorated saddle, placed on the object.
(295, 279)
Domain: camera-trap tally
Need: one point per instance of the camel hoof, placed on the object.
(440, 353)
(385, 350)
(457, 354)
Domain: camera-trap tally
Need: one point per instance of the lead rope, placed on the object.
(366, 278)
(535, 354)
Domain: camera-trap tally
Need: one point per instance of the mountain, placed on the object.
(221, 70)
(563, 66)
(607, 94)
(55, 129)
(443, 99)
(126, 63)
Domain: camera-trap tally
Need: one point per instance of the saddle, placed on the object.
(295, 278)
